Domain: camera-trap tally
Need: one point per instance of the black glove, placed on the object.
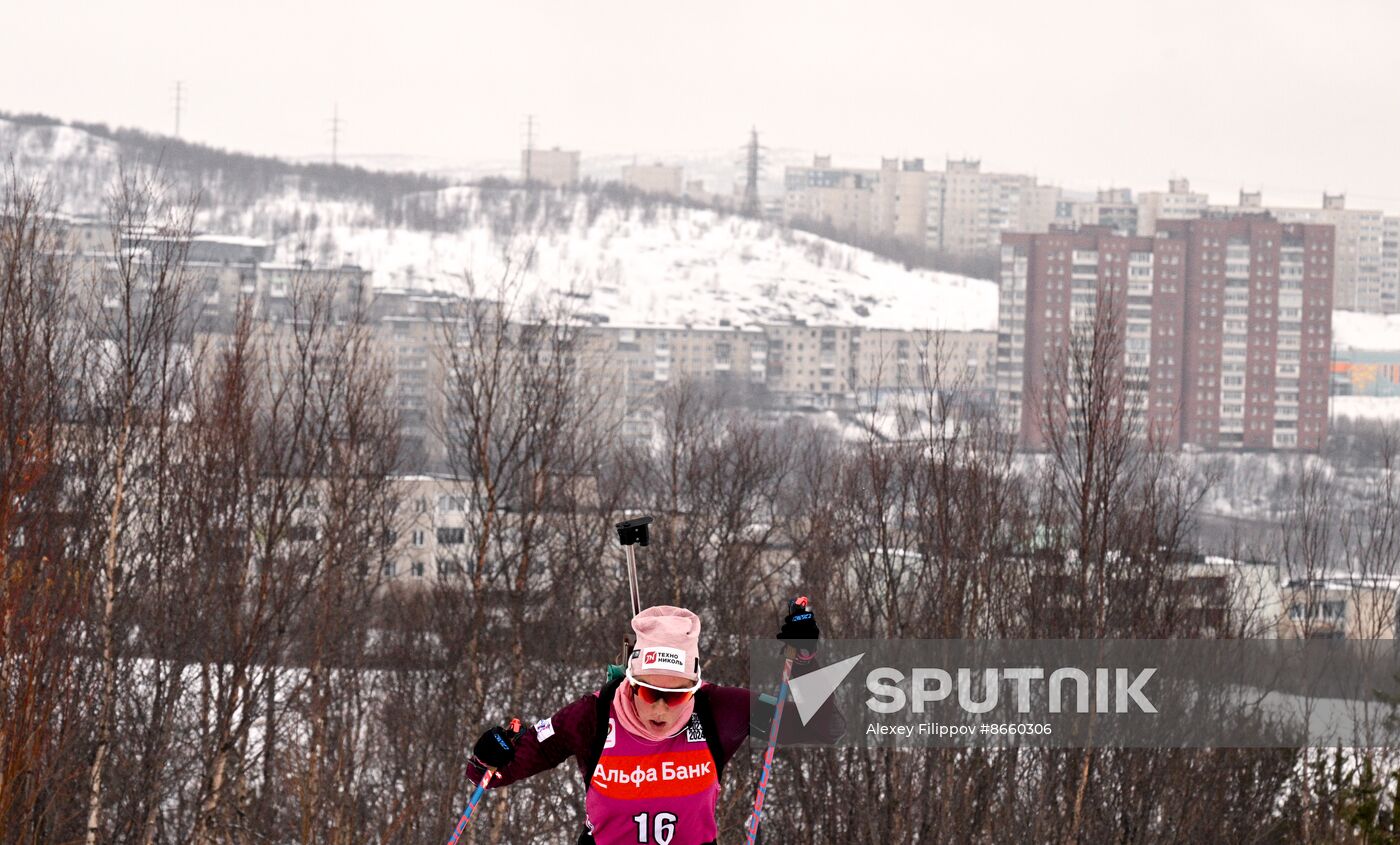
(800, 629)
(496, 748)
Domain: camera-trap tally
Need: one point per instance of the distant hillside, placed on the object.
(720, 170)
(610, 255)
(83, 158)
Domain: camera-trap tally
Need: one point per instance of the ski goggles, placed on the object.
(652, 694)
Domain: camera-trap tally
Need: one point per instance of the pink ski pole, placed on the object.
(476, 795)
(751, 829)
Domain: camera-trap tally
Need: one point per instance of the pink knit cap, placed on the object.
(668, 643)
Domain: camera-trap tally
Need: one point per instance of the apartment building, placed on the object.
(1244, 595)
(839, 197)
(1178, 202)
(968, 209)
(1118, 209)
(1390, 266)
(222, 289)
(554, 167)
(1226, 325)
(632, 364)
(895, 360)
(658, 178)
(283, 288)
(85, 234)
(960, 209)
(812, 366)
(902, 196)
(1113, 209)
(1341, 606)
(793, 366)
(1366, 275)
(843, 367)
(412, 331)
(1357, 282)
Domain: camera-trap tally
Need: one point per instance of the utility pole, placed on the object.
(529, 145)
(335, 135)
(179, 101)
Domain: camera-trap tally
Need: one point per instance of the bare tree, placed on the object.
(41, 586)
(523, 431)
(137, 328)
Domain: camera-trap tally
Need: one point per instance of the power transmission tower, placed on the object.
(753, 166)
(179, 102)
(335, 135)
(529, 145)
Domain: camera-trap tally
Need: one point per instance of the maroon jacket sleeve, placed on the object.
(572, 733)
(739, 713)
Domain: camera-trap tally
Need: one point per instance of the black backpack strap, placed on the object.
(707, 724)
(600, 730)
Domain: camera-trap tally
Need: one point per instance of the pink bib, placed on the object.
(662, 792)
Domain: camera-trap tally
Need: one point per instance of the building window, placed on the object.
(451, 536)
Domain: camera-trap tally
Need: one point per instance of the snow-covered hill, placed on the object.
(634, 264)
(78, 166)
(608, 258)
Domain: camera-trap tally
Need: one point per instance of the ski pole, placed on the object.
(751, 829)
(632, 580)
(476, 795)
(629, 533)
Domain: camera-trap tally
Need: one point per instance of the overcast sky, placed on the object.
(1292, 97)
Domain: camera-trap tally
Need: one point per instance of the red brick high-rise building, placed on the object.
(1226, 325)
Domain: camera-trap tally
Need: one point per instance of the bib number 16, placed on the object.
(661, 829)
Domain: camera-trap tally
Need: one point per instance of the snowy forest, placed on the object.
(197, 644)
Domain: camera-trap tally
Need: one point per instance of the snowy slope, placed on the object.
(79, 167)
(683, 266)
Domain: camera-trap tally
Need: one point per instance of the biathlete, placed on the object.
(652, 746)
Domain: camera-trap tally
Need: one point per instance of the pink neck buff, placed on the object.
(626, 707)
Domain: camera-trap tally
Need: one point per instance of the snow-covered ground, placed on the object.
(1252, 485)
(1356, 330)
(1367, 407)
